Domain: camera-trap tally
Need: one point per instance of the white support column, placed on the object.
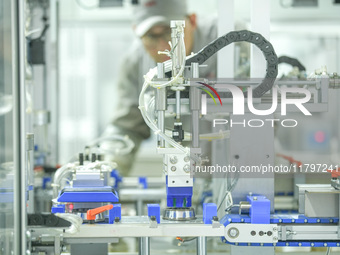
(260, 23)
(225, 57)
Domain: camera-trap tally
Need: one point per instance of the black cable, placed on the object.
(241, 36)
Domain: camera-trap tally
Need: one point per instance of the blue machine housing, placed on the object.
(103, 194)
(178, 196)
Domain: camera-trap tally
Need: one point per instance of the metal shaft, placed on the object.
(178, 105)
(144, 248)
(201, 245)
(195, 106)
(161, 103)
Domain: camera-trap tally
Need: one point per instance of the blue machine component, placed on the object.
(58, 209)
(118, 178)
(154, 210)
(143, 181)
(6, 196)
(260, 209)
(103, 194)
(115, 212)
(209, 211)
(45, 181)
(205, 195)
(285, 219)
(178, 196)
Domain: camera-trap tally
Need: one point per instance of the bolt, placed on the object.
(274, 238)
(255, 198)
(187, 159)
(186, 168)
(233, 232)
(28, 235)
(312, 244)
(173, 168)
(318, 220)
(173, 160)
(237, 156)
(325, 244)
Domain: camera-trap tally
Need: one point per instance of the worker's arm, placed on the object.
(127, 119)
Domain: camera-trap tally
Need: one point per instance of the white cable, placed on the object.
(129, 144)
(143, 106)
(60, 174)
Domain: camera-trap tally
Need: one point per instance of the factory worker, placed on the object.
(151, 24)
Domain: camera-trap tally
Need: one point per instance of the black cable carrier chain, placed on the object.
(242, 36)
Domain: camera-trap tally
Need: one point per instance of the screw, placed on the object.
(233, 232)
(173, 168)
(186, 168)
(28, 235)
(261, 233)
(237, 156)
(253, 233)
(269, 233)
(187, 159)
(173, 160)
(255, 198)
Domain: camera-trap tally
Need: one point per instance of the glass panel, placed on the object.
(6, 131)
